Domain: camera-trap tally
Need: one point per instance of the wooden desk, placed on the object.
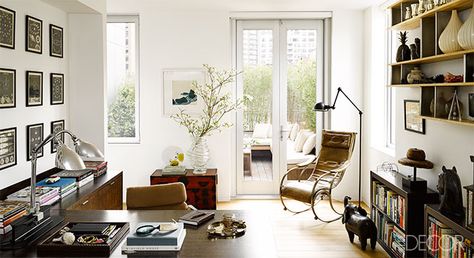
(258, 241)
(200, 189)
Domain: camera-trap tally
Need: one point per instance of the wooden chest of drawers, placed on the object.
(200, 189)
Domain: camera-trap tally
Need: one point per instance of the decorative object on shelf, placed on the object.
(321, 107)
(7, 88)
(56, 127)
(418, 46)
(448, 40)
(34, 35)
(34, 137)
(429, 5)
(470, 200)
(449, 77)
(455, 110)
(359, 224)
(436, 2)
(421, 6)
(8, 150)
(413, 121)
(415, 158)
(414, 10)
(449, 187)
(217, 102)
(414, 52)
(56, 45)
(34, 88)
(407, 13)
(471, 104)
(466, 33)
(179, 90)
(7, 33)
(388, 167)
(229, 227)
(57, 88)
(415, 76)
(403, 52)
(174, 168)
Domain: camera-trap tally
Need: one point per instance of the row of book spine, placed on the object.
(443, 242)
(392, 235)
(390, 202)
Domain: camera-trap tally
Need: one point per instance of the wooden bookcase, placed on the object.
(430, 25)
(413, 214)
(460, 228)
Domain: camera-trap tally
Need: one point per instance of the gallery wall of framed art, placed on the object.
(33, 84)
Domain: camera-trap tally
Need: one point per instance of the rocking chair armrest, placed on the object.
(339, 169)
(308, 162)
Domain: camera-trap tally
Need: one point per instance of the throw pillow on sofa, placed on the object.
(300, 140)
(294, 132)
(309, 144)
(260, 131)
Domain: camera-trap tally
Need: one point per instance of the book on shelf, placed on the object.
(99, 167)
(196, 218)
(6, 229)
(66, 185)
(44, 195)
(390, 233)
(82, 176)
(151, 249)
(391, 203)
(10, 208)
(444, 242)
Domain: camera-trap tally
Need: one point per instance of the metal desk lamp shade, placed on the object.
(322, 107)
(87, 149)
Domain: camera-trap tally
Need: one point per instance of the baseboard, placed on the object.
(256, 197)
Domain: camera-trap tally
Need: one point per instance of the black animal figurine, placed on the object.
(450, 189)
(357, 223)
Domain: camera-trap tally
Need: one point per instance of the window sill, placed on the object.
(390, 151)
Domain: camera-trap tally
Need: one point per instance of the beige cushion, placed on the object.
(300, 140)
(294, 132)
(170, 196)
(260, 131)
(309, 144)
(289, 128)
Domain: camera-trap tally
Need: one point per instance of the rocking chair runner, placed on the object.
(327, 171)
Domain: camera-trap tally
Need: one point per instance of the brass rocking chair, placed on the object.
(311, 181)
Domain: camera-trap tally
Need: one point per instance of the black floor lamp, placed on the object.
(321, 107)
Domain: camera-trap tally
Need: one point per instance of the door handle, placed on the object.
(283, 129)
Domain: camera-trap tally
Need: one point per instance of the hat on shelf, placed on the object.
(416, 158)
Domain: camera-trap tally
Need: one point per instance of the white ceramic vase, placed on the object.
(448, 40)
(466, 33)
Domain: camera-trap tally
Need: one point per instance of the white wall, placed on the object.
(173, 35)
(21, 61)
(444, 144)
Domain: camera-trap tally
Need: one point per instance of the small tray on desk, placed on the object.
(49, 248)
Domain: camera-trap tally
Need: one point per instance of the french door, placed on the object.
(281, 80)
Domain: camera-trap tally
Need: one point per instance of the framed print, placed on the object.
(34, 136)
(179, 90)
(57, 126)
(7, 27)
(56, 44)
(34, 88)
(57, 88)
(34, 35)
(7, 88)
(413, 121)
(7, 148)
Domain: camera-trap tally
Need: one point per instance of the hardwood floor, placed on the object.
(300, 235)
(261, 170)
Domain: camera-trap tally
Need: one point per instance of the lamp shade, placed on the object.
(321, 107)
(87, 150)
(67, 159)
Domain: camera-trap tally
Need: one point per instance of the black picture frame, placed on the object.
(54, 129)
(56, 44)
(12, 33)
(8, 159)
(31, 32)
(412, 115)
(3, 83)
(32, 142)
(56, 91)
(471, 104)
(30, 90)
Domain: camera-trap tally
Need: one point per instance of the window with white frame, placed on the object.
(123, 79)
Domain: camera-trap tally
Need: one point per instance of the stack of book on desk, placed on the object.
(44, 195)
(155, 242)
(65, 185)
(99, 167)
(82, 177)
(9, 212)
